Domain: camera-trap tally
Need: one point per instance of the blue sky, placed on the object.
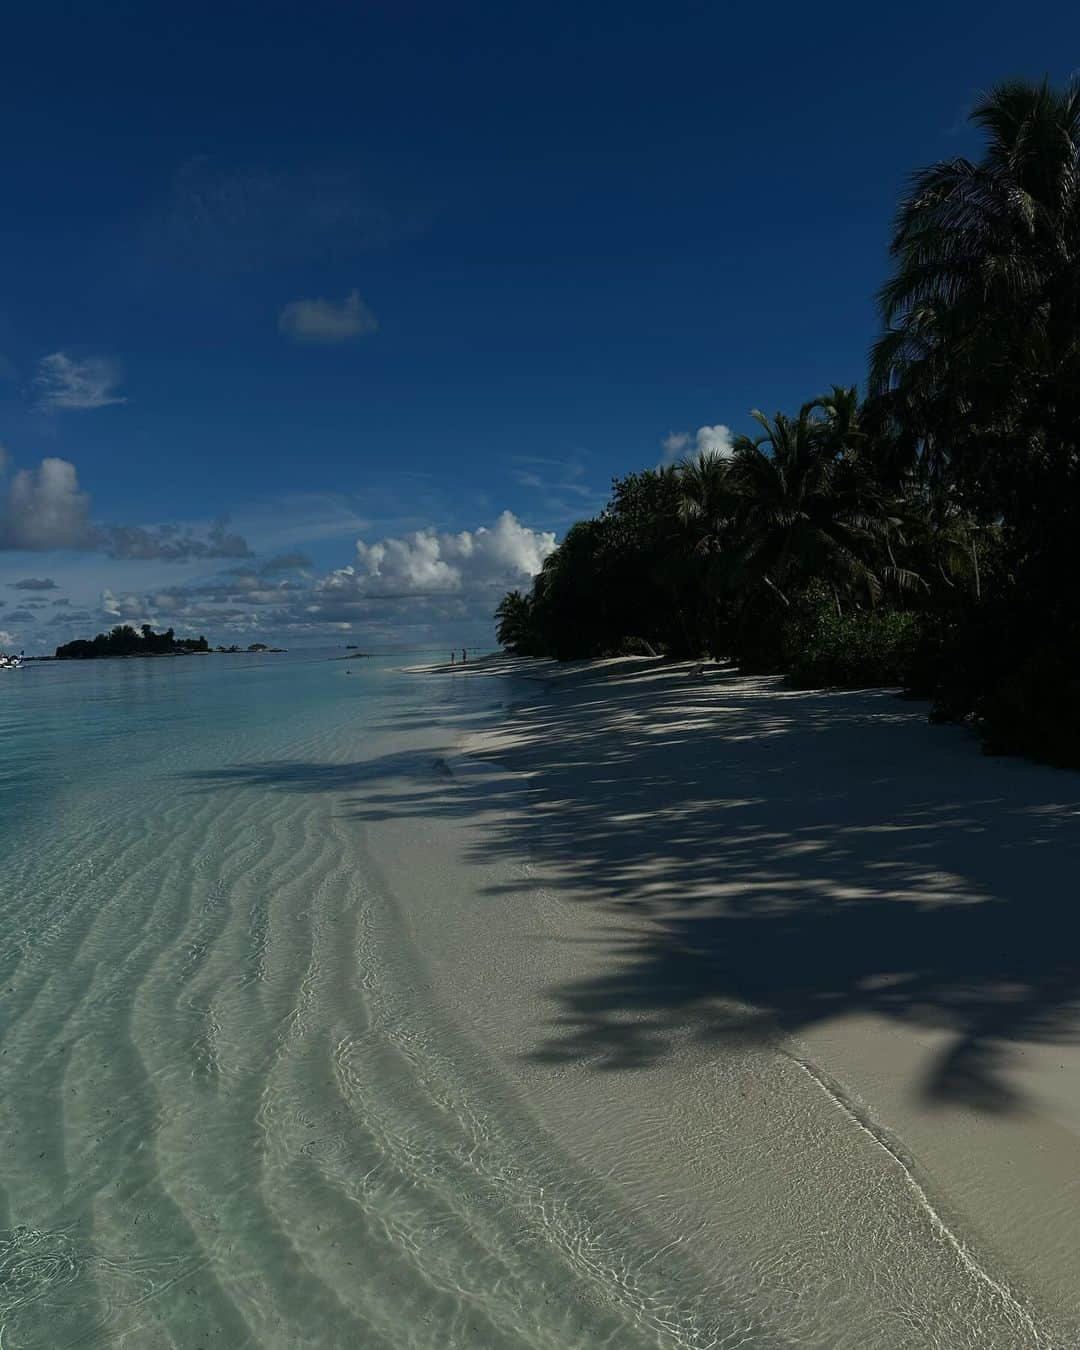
(342, 284)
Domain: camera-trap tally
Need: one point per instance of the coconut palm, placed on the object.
(514, 623)
(806, 507)
(981, 357)
(843, 414)
(706, 499)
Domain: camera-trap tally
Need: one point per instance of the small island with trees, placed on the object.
(124, 641)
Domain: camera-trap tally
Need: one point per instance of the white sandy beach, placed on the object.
(794, 970)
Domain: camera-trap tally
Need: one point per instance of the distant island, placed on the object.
(123, 640)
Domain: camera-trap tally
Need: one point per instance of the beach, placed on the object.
(620, 892)
(526, 1006)
(794, 971)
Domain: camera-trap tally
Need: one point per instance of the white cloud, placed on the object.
(326, 321)
(6, 638)
(133, 609)
(707, 441)
(45, 509)
(428, 563)
(714, 440)
(675, 445)
(90, 383)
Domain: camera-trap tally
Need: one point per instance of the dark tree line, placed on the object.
(123, 640)
(922, 535)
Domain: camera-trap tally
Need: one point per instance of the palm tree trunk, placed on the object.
(774, 587)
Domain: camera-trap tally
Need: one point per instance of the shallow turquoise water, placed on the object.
(227, 1114)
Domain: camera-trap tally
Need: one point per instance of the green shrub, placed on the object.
(852, 650)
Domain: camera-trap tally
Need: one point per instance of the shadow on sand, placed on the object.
(778, 859)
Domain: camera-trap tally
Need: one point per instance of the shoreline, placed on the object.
(154, 656)
(709, 875)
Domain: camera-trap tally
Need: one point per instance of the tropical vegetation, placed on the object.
(919, 533)
(123, 640)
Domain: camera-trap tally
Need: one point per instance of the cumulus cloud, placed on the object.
(45, 509)
(6, 638)
(34, 584)
(715, 440)
(129, 608)
(428, 563)
(20, 616)
(66, 383)
(327, 321)
(675, 444)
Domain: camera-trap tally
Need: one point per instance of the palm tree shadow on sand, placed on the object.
(767, 861)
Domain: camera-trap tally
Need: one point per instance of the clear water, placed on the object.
(232, 1115)
(228, 1117)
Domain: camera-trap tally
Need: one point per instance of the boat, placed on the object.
(10, 662)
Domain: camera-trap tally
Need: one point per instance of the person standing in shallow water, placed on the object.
(464, 656)
(451, 658)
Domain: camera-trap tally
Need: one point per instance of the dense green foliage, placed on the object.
(923, 536)
(123, 640)
(797, 531)
(868, 647)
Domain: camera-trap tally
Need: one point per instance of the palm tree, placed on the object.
(514, 623)
(842, 412)
(945, 541)
(981, 357)
(807, 507)
(706, 499)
